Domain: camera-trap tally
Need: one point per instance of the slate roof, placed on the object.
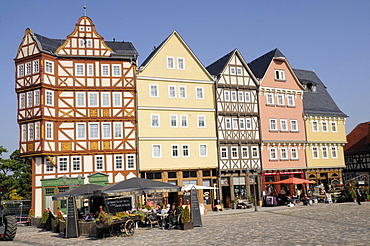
(50, 45)
(152, 54)
(259, 66)
(358, 140)
(218, 66)
(317, 102)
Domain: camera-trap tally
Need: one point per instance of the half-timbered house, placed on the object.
(237, 125)
(76, 111)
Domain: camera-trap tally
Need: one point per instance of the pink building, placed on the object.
(281, 115)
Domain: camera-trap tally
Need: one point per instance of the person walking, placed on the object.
(359, 194)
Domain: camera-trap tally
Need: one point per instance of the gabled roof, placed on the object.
(319, 101)
(218, 66)
(358, 140)
(259, 66)
(49, 45)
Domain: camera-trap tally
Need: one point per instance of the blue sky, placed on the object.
(330, 37)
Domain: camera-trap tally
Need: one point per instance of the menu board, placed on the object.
(72, 229)
(118, 204)
(195, 211)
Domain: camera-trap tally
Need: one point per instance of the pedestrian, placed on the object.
(359, 194)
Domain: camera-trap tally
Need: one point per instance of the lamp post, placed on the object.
(254, 177)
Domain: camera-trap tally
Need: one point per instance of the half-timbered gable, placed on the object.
(237, 123)
(77, 106)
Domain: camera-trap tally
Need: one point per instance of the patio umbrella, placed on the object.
(294, 181)
(80, 192)
(136, 186)
(198, 187)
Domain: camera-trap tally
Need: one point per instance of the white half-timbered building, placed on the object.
(76, 111)
(237, 125)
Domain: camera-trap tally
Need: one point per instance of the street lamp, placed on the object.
(254, 177)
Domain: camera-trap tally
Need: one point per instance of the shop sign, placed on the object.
(282, 173)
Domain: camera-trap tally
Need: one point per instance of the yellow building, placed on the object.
(176, 118)
(325, 130)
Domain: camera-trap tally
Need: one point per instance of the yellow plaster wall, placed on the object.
(329, 136)
(330, 162)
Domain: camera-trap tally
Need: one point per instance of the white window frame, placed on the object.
(185, 148)
(155, 118)
(235, 123)
(117, 95)
(104, 96)
(180, 63)
(170, 62)
(201, 119)
(80, 69)
(100, 157)
(283, 153)
(49, 98)
(282, 123)
(91, 130)
(315, 124)
(245, 152)
(248, 124)
(182, 92)
(105, 70)
(324, 152)
(118, 159)
(255, 153)
(20, 70)
(234, 152)
(292, 151)
(234, 97)
(241, 123)
(175, 149)
(116, 68)
(279, 74)
(80, 99)
(49, 167)
(79, 129)
(118, 130)
(273, 125)
(172, 91)
(24, 133)
(273, 153)
(240, 96)
(93, 95)
(333, 149)
(29, 99)
(227, 123)
(324, 126)
(128, 158)
(280, 99)
(65, 165)
(247, 96)
(49, 67)
(223, 150)
(37, 131)
(292, 124)
(227, 96)
(22, 100)
(154, 151)
(232, 70)
(28, 68)
(106, 134)
(173, 119)
(333, 126)
(203, 147)
(239, 71)
(35, 66)
(315, 151)
(31, 132)
(49, 132)
(90, 69)
(153, 90)
(290, 100)
(200, 95)
(270, 99)
(184, 118)
(76, 161)
(37, 97)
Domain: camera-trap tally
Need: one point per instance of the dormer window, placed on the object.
(313, 88)
(279, 75)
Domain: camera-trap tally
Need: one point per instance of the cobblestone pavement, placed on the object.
(320, 224)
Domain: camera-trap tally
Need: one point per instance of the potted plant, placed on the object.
(186, 222)
(44, 219)
(30, 217)
(58, 221)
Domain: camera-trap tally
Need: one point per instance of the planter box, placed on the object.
(87, 228)
(36, 222)
(187, 226)
(62, 227)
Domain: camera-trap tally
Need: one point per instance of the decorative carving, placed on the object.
(106, 112)
(93, 112)
(66, 146)
(94, 145)
(106, 145)
(30, 147)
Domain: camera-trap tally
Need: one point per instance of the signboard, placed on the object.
(277, 173)
(72, 229)
(118, 204)
(195, 211)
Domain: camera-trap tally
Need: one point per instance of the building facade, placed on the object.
(282, 126)
(76, 110)
(325, 132)
(237, 126)
(176, 118)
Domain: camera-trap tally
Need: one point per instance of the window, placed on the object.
(202, 150)
(21, 70)
(80, 99)
(279, 74)
(227, 96)
(154, 120)
(93, 99)
(184, 120)
(232, 70)
(172, 175)
(105, 70)
(153, 90)
(270, 98)
(29, 99)
(156, 151)
(244, 152)
(223, 153)
(324, 152)
(94, 130)
(49, 98)
(189, 174)
(227, 123)
(155, 175)
(239, 71)
(80, 69)
(233, 96)
(241, 124)
(315, 153)
(63, 164)
(117, 99)
(90, 69)
(105, 99)
(37, 97)
(24, 133)
(116, 70)
(294, 125)
(254, 152)
(199, 91)
(89, 43)
(22, 101)
(81, 131)
(106, 131)
(333, 125)
(283, 153)
(280, 98)
(294, 153)
(37, 130)
(247, 96)
(82, 43)
(314, 126)
(334, 152)
(118, 162)
(284, 125)
(173, 120)
(290, 100)
(324, 125)
(201, 121)
(180, 63)
(28, 68)
(175, 150)
(118, 130)
(240, 96)
(172, 91)
(170, 61)
(49, 130)
(76, 164)
(273, 126)
(273, 154)
(185, 150)
(234, 152)
(36, 66)
(30, 132)
(130, 162)
(99, 163)
(235, 124)
(49, 67)
(49, 167)
(182, 92)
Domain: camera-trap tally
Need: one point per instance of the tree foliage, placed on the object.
(15, 174)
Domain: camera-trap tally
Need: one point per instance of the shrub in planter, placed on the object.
(186, 222)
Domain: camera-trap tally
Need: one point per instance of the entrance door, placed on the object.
(226, 196)
(49, 203)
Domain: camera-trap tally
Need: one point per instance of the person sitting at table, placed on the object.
(89, 217)
(164, 210)
(241, 203)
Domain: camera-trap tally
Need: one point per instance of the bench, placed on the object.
(244, 205)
